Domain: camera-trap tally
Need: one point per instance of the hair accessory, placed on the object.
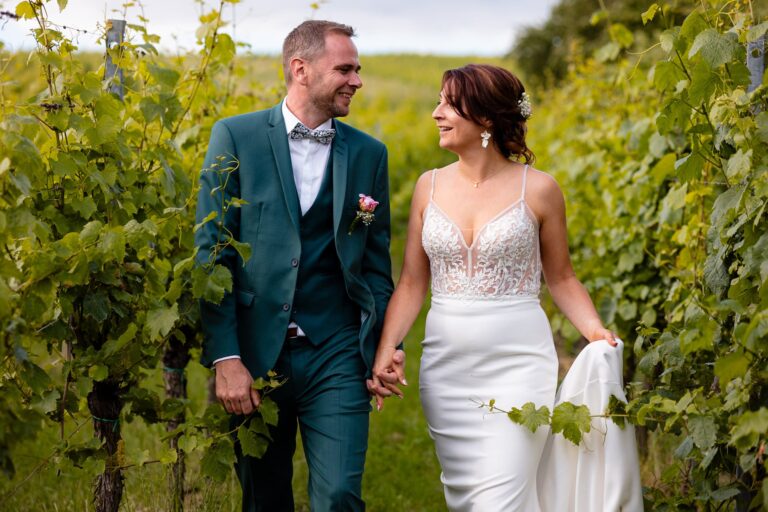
(486, 135)
(524, 104)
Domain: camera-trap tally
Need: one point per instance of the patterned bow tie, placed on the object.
(302, 132)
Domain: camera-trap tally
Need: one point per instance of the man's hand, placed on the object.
(388, 372)
(233, 387)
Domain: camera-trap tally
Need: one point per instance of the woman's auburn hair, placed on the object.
(489, 96)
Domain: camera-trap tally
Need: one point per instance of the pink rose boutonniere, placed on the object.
(365, 207)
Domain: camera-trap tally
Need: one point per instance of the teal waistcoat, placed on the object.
(321, 305)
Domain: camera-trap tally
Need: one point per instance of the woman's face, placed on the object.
(456, 132)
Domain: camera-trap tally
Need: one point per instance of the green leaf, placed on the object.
(725, 204)
(684, 448)
(693, 25)
(98, 372)
(243, 249)
(114, 345)
(90, 232)
(703, 431)
(164, 76)
(97, 306)
(725, 493)
(268, 411)
(160, 321)
(212, 215)
(666, 75)
(46, 403)
(25, 10)
(112, 244)
(649, 13)
(7, 298)
(703, 84)
(730, 366)
(621, 34)
(691, 166)
(673, 204)
(739, 165)
(62, 4)
(716, 49)
(573, 421)
(529, 416)
(608, 52)
(716, 274)
(211, 286)
(749, 428)
(251, 442)
(757, 32)
(217, 460)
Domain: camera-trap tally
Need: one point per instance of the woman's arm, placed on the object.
(406, 301)
(566, 289)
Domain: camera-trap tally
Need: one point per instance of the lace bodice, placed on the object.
(502, 262)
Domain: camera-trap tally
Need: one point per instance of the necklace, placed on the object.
(476, 183)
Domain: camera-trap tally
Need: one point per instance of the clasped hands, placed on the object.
(387, 374)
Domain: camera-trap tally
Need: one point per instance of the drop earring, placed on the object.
(486, 137)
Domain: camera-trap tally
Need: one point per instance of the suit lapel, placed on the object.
(340, 157)
(279, 142)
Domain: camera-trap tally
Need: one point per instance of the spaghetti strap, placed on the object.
(432, 191)
(525, 175)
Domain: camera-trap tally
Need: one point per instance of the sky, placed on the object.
(443, 27)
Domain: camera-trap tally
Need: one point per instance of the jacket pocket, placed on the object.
(244, 298)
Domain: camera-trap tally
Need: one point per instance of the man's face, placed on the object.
(333, 77)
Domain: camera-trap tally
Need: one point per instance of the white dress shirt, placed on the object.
(309, 159)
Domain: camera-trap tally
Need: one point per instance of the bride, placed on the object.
(484, 228)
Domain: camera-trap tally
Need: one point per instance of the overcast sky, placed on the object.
(452, 27)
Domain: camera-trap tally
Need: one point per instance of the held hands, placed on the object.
(233, 387)
(388, 372)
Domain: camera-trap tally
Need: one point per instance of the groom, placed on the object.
(310, 301)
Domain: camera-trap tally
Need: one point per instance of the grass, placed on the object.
(401, 472)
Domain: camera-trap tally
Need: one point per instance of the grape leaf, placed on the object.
(572, 420)
(160, 321)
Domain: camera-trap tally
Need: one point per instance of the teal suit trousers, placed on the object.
(326, 397)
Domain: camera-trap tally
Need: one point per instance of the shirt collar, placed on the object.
(291, 120)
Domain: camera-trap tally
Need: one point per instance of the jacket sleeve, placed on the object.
(219, 183)
(377, 264)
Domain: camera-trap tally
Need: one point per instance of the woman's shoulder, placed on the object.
(541, 183)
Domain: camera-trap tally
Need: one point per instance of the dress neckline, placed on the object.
(493, 219)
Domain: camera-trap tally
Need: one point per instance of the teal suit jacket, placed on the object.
(252, 320)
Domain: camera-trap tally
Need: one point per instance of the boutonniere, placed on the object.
(365, 207)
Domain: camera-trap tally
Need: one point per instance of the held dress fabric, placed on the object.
(486, 338)
(602, 472)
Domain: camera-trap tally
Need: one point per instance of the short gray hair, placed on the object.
(307, 41)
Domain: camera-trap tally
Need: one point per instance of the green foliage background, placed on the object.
(649, 129)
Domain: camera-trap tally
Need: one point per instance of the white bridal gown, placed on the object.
(487, 338)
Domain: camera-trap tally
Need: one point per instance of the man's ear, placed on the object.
(299, 70)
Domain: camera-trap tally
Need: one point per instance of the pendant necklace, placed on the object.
(476, 183)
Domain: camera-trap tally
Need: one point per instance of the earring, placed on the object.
(486, 136)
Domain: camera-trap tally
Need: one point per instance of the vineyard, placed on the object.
(658, 138)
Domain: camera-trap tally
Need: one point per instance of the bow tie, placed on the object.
(302, 132)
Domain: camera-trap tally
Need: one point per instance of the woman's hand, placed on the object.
(388, 372)
(601, 333)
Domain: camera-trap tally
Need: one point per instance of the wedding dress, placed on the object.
(487, 338)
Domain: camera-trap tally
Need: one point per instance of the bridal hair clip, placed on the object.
(524, 104)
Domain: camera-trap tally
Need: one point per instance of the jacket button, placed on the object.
(286, 307)
(294, 262)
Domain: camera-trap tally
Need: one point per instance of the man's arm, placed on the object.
(377, 264)
(218, 185)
